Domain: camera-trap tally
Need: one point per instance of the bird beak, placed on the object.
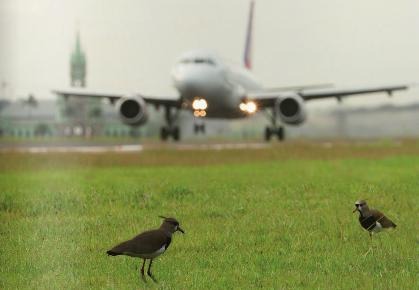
(180, 230)
(354, 210)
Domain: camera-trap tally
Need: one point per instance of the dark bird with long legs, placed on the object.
(148, 245)
(372, 220)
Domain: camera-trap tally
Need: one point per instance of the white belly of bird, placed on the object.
(148, 255)
(378, 227)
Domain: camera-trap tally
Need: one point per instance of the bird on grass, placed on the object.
(372, 220)
(149, 245)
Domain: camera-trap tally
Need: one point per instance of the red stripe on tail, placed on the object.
(248, 46)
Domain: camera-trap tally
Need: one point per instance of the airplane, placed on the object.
(209, 87)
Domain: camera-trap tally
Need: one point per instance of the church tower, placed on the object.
(78, 65)
(80, 116)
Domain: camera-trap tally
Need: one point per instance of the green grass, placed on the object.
(284, 223)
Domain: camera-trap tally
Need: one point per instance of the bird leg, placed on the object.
(371, 245)
(142, 271)
(369, 250)
(149, 271)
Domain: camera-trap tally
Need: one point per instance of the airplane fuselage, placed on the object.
(202, 74)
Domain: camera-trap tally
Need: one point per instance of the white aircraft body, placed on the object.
(210, 88)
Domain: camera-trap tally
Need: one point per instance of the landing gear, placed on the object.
(274, 129)
(170, 130)
(166, 132)
(176, 134)
(199, 128)
(279, 132)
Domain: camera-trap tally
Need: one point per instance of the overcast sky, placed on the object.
(131, 45)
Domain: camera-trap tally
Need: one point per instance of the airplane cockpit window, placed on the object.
(198, 60)
(186, 60)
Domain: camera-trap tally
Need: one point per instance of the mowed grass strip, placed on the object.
(279, 224)
(168, 155)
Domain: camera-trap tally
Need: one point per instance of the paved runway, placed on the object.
(221, 146)
(75, 149)
(129, 148)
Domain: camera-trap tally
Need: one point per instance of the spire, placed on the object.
(78, 46)
(78, 64)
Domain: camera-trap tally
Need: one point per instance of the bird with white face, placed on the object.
(372, 220)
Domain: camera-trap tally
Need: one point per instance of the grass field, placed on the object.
(275, 218)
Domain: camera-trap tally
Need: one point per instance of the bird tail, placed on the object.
(112, 253)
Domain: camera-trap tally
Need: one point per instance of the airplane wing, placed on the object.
(268, 99)
(298, 87)
(338, 94)
(112, 97)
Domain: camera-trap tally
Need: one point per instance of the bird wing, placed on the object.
(368, 222)
(382, 219)
(144, 243)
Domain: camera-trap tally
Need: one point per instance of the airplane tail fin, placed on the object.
(248, 45)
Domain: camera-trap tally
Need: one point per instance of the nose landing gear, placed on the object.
(199, 113)
(197, 128)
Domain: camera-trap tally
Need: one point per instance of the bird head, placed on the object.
(361, 206)
(171, 224)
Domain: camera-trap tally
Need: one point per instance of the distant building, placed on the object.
(29, 119)
(79, 116)
(32, 118)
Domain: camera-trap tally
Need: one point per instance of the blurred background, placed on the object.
(132, 45)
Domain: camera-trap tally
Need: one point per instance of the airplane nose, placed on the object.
(196, 81)
(191, 83)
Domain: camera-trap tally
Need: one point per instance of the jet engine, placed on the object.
(132, 110)
(291, 109)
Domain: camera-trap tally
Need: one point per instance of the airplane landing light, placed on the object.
(249, 107)
(199, 104)
(199, 113)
